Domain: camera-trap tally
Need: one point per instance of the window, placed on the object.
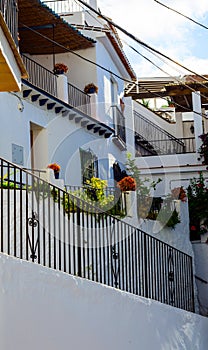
(89, 165)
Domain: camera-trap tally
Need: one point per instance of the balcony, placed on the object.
(151, 140)
(9, 12)
(11, 67)
(46, 80)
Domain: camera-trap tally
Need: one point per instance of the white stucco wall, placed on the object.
(46, 309)
(56, 139)
(201, 256)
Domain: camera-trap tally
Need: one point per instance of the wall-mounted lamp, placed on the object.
(20, 104)
(192, 129)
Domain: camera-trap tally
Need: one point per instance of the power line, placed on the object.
(100, 66)
(181, 14)
(178, 80)
(140, 41)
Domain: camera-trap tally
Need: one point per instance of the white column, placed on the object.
(129, 123)
(197, 114)
(62, 89)
(93, 102)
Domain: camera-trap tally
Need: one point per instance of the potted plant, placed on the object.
(91, 89)
(60, 68)
(56, 168)
(127, 184)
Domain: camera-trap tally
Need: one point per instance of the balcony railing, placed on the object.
(46, 80)
(42, 223)
(119, 123)
(64, 6)
(40, 76)
(79, 99)
(9, 10)
(155, 139)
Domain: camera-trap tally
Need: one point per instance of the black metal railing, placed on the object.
(161, 140)
(119, 123)
(40, 76)
(9, 10)
(189, 144)
(77, 98)
(42, 223)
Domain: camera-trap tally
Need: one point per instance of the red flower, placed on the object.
(127, 184)
(54, 167)
(193, 228)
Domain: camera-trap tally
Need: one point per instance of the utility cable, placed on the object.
(142, 43)
(175, 78)
(181, 14)
(98, 65)
(192, 78)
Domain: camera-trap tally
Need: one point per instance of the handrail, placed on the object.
(41, 76)
(42, 223)
(163, 132)
(79, 99)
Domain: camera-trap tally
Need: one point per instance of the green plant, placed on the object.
(92, 199)
(198, 205)
(141, 184)
(145, 103)
(168, 217)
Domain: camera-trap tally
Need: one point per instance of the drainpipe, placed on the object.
(197, 114)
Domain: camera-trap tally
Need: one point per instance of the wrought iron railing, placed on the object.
(40, 76)
(161, 140)
(43, 223)
(189, 144)
(9, 10)
(46, 80)
(79, 99)
(119, 123)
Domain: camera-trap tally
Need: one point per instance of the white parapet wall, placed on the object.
(45, 309)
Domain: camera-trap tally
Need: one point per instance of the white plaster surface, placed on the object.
(46, 309)
(201, 256)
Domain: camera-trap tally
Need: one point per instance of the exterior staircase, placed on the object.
(150, 139)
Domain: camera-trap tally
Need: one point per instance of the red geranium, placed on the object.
(54, 166)
(127, 184)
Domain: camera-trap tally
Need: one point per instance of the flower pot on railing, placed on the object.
(58, 71)
(56, 175)
(60, 68)
(128, 186)
(91, 89)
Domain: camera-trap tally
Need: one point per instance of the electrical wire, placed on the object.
(103, 68)
(175, 78)
(154, 53)
(142, 43)
(181, 14)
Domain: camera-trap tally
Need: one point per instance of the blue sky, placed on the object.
(164, 30)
